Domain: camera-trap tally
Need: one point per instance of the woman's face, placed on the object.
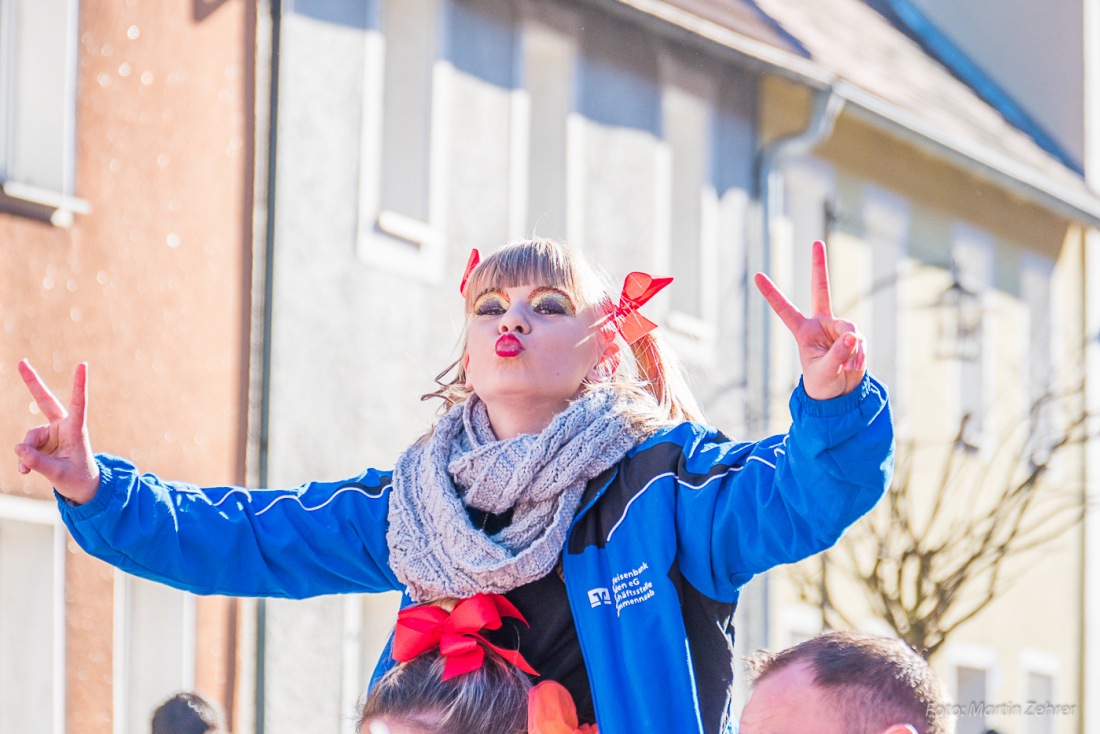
(531, 343)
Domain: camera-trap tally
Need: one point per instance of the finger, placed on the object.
(45, 399)
(842, 350)
(31, 459)
(787, 311)
(858, 359)
(843, 326)
(37, 437)
(819, 286)
(79, 399)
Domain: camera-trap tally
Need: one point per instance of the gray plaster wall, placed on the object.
(354, 344)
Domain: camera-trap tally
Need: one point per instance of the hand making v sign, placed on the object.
(832, 351)
(60, 450)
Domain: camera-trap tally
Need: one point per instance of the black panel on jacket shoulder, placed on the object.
(632, 476)
(374, 491)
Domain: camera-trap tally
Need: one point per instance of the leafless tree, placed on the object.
(939, 548)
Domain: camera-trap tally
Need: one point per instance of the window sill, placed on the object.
(41, 204)
(403, 245)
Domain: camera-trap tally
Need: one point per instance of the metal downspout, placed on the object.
(769, 181)
(263, 297)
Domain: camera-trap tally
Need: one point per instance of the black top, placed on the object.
(550, 644)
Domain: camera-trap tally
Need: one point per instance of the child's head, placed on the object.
(644, 371)
(413, 698)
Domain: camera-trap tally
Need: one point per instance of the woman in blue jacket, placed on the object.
(568, 473)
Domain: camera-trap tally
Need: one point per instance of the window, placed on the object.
(1039, 671)
(38, 107)
(687, 104)
(886, 231)
(807, 187)
(549, 61)
(1035, 285)
(488, 160)
(154, 649)
(1040, 689)
(973, 258)
(973, 676)
(368, 623)
(401, 198)
(613, 162)
(798, 622)
(32, 616)
(970, 695)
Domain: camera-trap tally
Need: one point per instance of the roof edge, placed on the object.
(1009, 173)
(910, 20)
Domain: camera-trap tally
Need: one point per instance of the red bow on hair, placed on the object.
(550, 710)
(475, 258)
(456, 633)
(637, 289)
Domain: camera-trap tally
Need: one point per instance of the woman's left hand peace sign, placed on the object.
(832, 351)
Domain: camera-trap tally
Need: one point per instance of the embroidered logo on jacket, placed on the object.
(598, 597)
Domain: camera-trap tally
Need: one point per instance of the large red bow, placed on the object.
(456, 633)
(475, 258)
(637, 289)
(551, 710)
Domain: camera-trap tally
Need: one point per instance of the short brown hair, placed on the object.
(188, 713)
(875, 682)
(489, 700)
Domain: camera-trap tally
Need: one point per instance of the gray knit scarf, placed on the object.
(434, 548)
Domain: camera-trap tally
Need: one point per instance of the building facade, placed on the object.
(126, 147)
(292, 190)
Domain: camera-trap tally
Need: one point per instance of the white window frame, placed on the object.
(694, 335)
(887, 215)
(364, 640)
(383, 237)
(546, 19)
(975, 251)
(798, 621)
(1039, 662)
(1042, 427)
(122, 672)
(40, 512)
(57, 205)
(791, 264)
(970, 655)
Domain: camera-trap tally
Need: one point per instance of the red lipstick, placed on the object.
(508, 345)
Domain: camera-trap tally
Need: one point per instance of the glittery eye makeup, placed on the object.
(552, 301)
(492, 303)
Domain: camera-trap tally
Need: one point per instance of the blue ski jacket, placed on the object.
(653, 564)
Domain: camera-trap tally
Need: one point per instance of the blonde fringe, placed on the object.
(651, 384)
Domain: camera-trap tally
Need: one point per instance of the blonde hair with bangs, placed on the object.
(649, 379)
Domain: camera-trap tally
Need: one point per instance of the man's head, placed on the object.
(845, 683)
(188, 713)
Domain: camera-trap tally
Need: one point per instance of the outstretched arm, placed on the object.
(832, 351)
(60, 450)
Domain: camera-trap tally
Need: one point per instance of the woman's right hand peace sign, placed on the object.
(60, 450)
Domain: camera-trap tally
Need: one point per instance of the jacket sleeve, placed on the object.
(745, 508)
(320, 538)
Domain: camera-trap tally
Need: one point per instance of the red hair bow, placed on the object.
(637, 289)
(475, 258)
(551, 710)
(456, 633)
